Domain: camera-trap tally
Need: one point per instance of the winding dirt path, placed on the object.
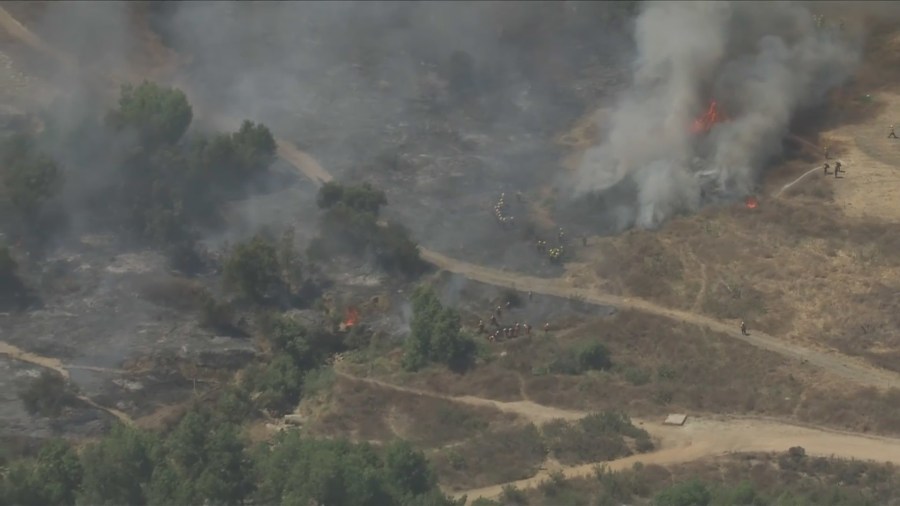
(698, 438)
(54, 364)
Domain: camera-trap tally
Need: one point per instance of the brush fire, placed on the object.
(751, 203)
(351, 318)
(707, 120)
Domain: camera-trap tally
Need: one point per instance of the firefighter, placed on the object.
(527, 329)
(494, 321)
(499, 311)
(508, 304)
(530, 295)
(825, 151)
(561, 235)
(481, 326)
(837, 168)
(546, 327)
(892, 135)
(744, 328)
(516, 330)
(584, 241)
(826, 168)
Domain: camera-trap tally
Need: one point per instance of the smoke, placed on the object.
(761, 61)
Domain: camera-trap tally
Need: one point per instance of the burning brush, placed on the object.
(705, 122)
(351, 319)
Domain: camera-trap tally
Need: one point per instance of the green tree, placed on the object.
(160, 115)
(52, 478)
(252, 269)
(30, 178)
(254, 147)
(594, 357)
(690, 493)
(279, 384)
(203, 463)
(435, 334)
(407, 470)
(118, 469)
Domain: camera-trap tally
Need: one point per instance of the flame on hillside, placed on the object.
(351, 317)
(707, 120)
(751, 202)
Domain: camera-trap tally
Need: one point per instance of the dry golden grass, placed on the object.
(498, 456)
(791, 268)
(768, 474)
(368, 412)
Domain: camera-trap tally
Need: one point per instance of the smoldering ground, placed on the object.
(761, 61)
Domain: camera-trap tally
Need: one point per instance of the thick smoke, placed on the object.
(761, 61)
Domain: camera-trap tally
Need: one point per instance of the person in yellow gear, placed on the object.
(744, 328)
(892, 135)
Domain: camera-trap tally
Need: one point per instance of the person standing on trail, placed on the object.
(892, 135)
(744, 328)
(837, 169)
(826, 168)
(547, 328)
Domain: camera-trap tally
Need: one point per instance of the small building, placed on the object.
(675, 419)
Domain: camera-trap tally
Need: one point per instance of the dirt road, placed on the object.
(698, 438)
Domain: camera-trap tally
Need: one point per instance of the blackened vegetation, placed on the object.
(349, 225)
(47, 394)
(14, 294)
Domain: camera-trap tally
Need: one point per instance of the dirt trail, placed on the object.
(836, 363)
(56, 365)
(698, 438)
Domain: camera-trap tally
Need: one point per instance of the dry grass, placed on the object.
(368, 412)
(595, 438)
(794, 268)
(768, 474)
(507, 454)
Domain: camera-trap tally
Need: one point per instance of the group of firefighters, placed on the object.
(503, 219)
(837, 164)
(498, 331)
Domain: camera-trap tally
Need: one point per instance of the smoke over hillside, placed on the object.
(761, 62)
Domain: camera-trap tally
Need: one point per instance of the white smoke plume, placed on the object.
(761, 62)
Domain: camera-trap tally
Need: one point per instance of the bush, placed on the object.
(160, 115)
(594, 357)
(691, 493)
(252, 269)
(47, 394)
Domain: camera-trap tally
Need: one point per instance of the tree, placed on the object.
(690, 493)
(594, 357)
(118, 469)
(252, 269)
(254, 146)
(47, 394)
(160, 115)
(407, 470)
(435, 334)
(30, 178)
(52, 478)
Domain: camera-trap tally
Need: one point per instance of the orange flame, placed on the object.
(751, 203)
(705, 122)
(351, 317)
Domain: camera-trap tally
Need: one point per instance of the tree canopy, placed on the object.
(159, 114)
(435, 334)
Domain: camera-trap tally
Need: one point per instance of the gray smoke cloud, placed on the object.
(761, 62)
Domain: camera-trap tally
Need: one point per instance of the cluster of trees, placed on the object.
(435, 334)
(205, 460)
(264, 269)
(350, 225)
(297, 351)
